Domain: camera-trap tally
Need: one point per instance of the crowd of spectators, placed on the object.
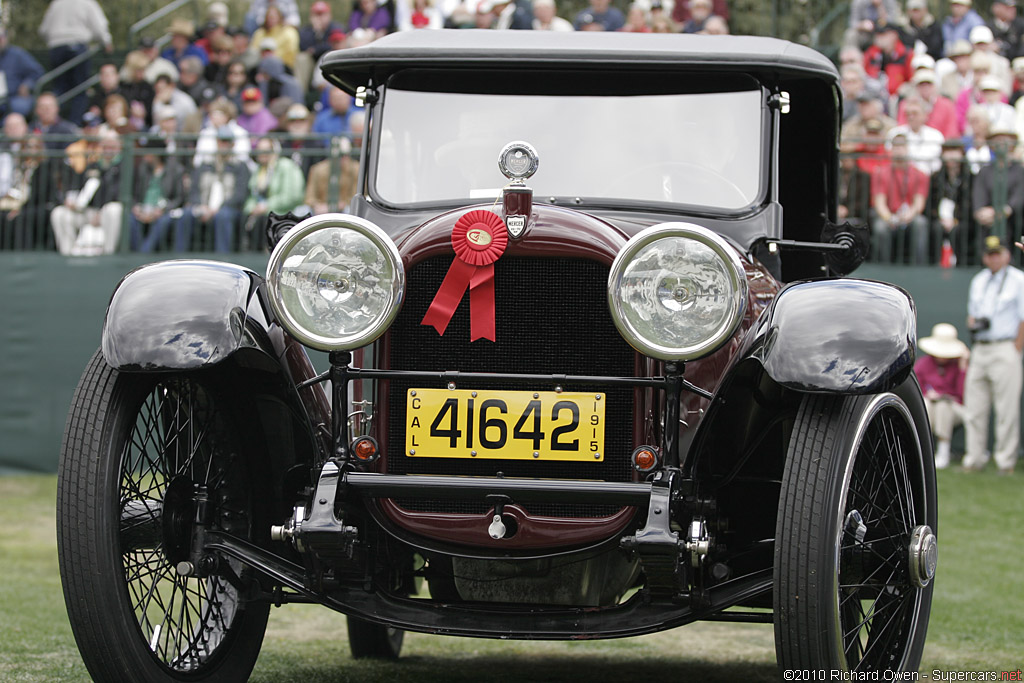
(932, 113)
(932, 116)
(193, 135)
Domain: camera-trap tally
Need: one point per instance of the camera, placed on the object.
(980, 325)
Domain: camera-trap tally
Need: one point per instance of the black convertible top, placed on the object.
(489, 49)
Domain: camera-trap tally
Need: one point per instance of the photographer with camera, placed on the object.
(995, 318)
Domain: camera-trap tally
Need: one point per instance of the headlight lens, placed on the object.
(336, 282)
(677, 291)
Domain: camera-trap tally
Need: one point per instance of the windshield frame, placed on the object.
(570, 83)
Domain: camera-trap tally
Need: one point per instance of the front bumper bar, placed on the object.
(479, 488)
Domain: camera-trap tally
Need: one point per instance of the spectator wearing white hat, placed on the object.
(922, 60)
(984, 42)
(941, 373)
(998, 194)
(1008, 28)
(1017, 97)
(922, 27)
(546, 19)
(942, 116)
(954, 70)
(924, 143)
(1000, 115)
(981, 66)
(957, 26)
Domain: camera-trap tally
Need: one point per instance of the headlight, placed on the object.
(677, 291)
(336, 282)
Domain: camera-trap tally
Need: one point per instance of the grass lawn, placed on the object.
(977, 618)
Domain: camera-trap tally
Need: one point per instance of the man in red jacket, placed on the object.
(889, 56)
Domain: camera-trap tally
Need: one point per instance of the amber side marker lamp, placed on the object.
(645, 459)
(365, 449)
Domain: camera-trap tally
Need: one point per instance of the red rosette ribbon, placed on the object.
(479, 239)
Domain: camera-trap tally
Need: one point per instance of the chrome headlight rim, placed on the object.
(733, 267)
(380, 239)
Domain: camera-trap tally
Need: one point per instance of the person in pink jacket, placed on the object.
(941, 374)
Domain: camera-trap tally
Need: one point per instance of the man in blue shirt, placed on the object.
(995, 376)
(332, 120)
(20, 72)
(599, 16)
(958, 25)
(182, 32)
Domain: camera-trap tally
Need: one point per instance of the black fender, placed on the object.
(836, 336)
(184, 315)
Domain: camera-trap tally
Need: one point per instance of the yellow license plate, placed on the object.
(511, 425)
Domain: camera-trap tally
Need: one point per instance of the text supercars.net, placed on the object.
(887, 675)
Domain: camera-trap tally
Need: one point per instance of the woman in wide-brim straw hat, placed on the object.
(941, 372)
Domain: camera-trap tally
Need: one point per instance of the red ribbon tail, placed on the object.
(481, 304)
(448, 296)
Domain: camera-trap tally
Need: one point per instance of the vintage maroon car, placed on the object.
(595, 370)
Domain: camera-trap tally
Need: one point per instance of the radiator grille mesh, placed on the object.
(551, 317)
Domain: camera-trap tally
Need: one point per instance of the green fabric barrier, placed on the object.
(52, 311)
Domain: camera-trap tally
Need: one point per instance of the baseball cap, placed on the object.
(336, 36)
(960, 48)
(873, 125)
(224, 133)
(268, 44)
(923, 76)
(922, 61)
(1002, 129)
(960, 2)
(993, 244)
(252, 94)
(917, 4)
(90, 119)
(990, 83)
(981, 34)
(320, 7)
(297, 112)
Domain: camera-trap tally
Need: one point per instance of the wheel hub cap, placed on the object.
(924, 555)
(178, 515)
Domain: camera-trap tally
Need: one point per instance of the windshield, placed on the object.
(699, 149)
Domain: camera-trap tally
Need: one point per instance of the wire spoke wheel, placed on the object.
(173, 457)
(855, 550)
(154, 460)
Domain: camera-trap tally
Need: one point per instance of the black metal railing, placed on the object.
(40, 174)
(953, 224)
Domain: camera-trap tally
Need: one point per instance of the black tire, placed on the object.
(137, 449)
(857, 492)
(373, 641)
